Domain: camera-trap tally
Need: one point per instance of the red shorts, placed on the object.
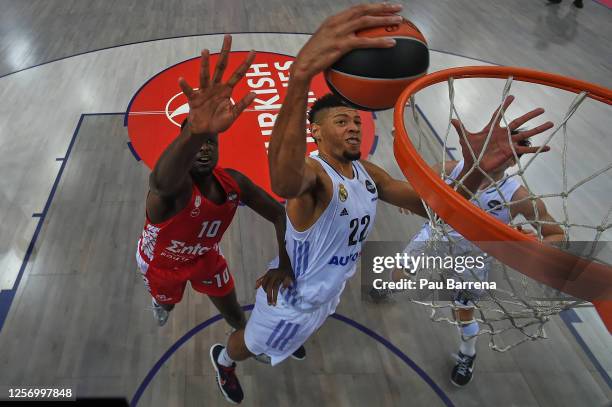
(208, 275)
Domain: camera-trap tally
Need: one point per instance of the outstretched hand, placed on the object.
(211, 110)
(336, 36)
(501, 145)
(272, 280)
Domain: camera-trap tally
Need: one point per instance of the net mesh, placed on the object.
(519, 308)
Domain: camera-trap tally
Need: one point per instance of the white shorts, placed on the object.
(278, 331)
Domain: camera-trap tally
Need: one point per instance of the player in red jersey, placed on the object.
(191, 202)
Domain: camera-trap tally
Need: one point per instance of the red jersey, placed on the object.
(194, 231)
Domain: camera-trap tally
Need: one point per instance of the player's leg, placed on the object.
(165, 290)
(277, 331)
(225, 365)
(230, 309)
(211, 276)
(166, 293)
(463, 371)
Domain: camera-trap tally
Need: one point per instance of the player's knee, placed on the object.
(236, 346)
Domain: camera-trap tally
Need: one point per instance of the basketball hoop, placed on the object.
(583, 277)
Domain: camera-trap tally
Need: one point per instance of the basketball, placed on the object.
(373, 78)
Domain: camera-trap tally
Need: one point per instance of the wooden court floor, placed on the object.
(71, 198)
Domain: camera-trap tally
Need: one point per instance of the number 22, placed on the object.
(354, 225)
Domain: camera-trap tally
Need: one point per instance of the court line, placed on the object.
(7, 296)
(144, 42)
(435, 133)
(183, 339)
(569, 317)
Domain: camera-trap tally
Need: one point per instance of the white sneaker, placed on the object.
(159, 313)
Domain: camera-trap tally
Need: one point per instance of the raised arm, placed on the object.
(490, 153)
(289, 174)
(210, 112)
(169, 177)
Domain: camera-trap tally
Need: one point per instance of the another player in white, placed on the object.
(331, 199)
(504, 198)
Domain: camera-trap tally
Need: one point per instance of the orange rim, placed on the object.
(571, 274)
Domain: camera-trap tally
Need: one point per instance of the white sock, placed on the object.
(468, 339)
(224, 359)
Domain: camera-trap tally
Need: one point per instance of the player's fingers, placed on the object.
(222, 61)
(242, 69)
(530, 150)
(499, 113)
(369, 9)
(532, 132)
(363, 42)
(269, 293)
(461, 131)
(260, 282)
(371, 21)
(204, 69)
(287, 282)
(274, 292)
(519, 121)
(243, 103)
(187, 90)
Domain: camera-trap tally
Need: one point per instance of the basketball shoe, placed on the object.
(463, 371)
(299, 354)
(160, 314)
(226, 377)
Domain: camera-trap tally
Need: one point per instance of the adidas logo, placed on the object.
(344, 212)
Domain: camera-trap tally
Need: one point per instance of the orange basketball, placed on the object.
(373, 78)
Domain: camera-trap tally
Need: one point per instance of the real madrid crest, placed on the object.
(370, 186)
(342, 192)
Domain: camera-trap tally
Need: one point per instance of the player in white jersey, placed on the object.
(331, 199)
(505, 199)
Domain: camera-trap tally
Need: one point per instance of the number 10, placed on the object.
(212, 231)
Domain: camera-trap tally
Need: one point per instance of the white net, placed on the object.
(564, 192)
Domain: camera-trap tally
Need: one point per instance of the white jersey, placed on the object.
(491, 200)
(325, 255)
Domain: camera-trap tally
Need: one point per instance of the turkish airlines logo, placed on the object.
(156, 112)
(181, 110)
